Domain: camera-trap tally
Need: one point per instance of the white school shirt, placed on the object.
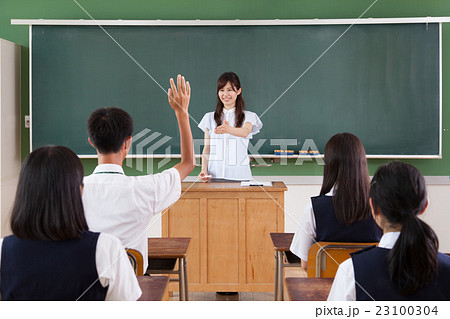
(113, 268)
(305, 235)
(343, 288)
(228, 156)
(123, 205)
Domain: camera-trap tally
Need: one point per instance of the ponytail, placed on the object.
(412, 262)
(398, 190)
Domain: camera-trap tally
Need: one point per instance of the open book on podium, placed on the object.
(256, 183)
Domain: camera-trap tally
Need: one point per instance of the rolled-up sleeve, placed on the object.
(157, 192)
(305, 234)
(252, 118)
(205, 123)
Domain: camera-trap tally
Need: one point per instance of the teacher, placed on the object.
(227, 132)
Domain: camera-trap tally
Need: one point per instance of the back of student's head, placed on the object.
(108, 128)
(48, 203)
(346, 169)
(399, 192)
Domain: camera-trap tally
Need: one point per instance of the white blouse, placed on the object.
(228, 156)
(305, 235)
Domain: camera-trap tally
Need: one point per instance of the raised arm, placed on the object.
(243, 131)
(179, 97)
(203, 176)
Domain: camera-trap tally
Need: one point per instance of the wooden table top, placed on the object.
(230, 187)
(281, 241)
(308, 289)
(153, 287)
(168, 247)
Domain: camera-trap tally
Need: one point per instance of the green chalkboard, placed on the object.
(380, 82)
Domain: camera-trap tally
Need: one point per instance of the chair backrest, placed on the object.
(324, 258)
(136, 260)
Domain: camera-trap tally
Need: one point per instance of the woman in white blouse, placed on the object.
(227, 132)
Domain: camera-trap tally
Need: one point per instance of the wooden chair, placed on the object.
(136, 260)
(324, 258)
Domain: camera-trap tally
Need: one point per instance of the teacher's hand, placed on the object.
(224, 128)
(204, 177)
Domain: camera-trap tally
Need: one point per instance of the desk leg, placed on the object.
(280, 275)
(186, 290)
(276, 277)
(181, 278)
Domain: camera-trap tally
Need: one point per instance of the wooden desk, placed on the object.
(172, 248)
(229, 226)
(308, 289)
(153, 287)
(281, 243)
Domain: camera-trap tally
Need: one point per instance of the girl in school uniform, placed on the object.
(227, 132)
(341, 212)
(52, 255)
(406, 264)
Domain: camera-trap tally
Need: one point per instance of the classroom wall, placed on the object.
(299, 194)
(246, 9)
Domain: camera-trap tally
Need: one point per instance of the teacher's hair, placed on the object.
(398, 190)
(240, 104)
(48, 203)
(346, 169)
(108, 128)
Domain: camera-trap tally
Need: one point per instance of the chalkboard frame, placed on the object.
(100, 23)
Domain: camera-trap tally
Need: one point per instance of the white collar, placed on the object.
(104, 168)
(232, 110)
(389, 239)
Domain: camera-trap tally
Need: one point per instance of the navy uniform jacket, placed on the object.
(50, 270)
(371, 274)
(329, 228)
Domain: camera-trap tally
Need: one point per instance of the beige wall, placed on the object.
(300, 189)
(9, 128)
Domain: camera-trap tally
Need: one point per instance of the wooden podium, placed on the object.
(230, 228)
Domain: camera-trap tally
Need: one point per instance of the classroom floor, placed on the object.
(241, 296)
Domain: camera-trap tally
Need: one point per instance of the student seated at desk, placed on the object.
(406, 264)
(52, 255)
(123, 205)
(341, 212)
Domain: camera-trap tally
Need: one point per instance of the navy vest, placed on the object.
(329, 228)
(371, 274)
(50, 270)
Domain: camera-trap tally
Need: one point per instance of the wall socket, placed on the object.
(27, 121)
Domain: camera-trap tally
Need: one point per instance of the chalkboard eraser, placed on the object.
(283, 152)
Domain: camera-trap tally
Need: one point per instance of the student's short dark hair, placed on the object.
(48, 203)
(108, 128)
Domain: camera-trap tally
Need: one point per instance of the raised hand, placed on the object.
(179, 95)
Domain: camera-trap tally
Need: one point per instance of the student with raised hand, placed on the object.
(227, 132)
(123, 205)
(406, 265)
(52, 255)
(341, 212)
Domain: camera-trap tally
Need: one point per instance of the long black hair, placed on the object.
(398, 190)
(346, 170)
(48, 203)
(240, 104)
